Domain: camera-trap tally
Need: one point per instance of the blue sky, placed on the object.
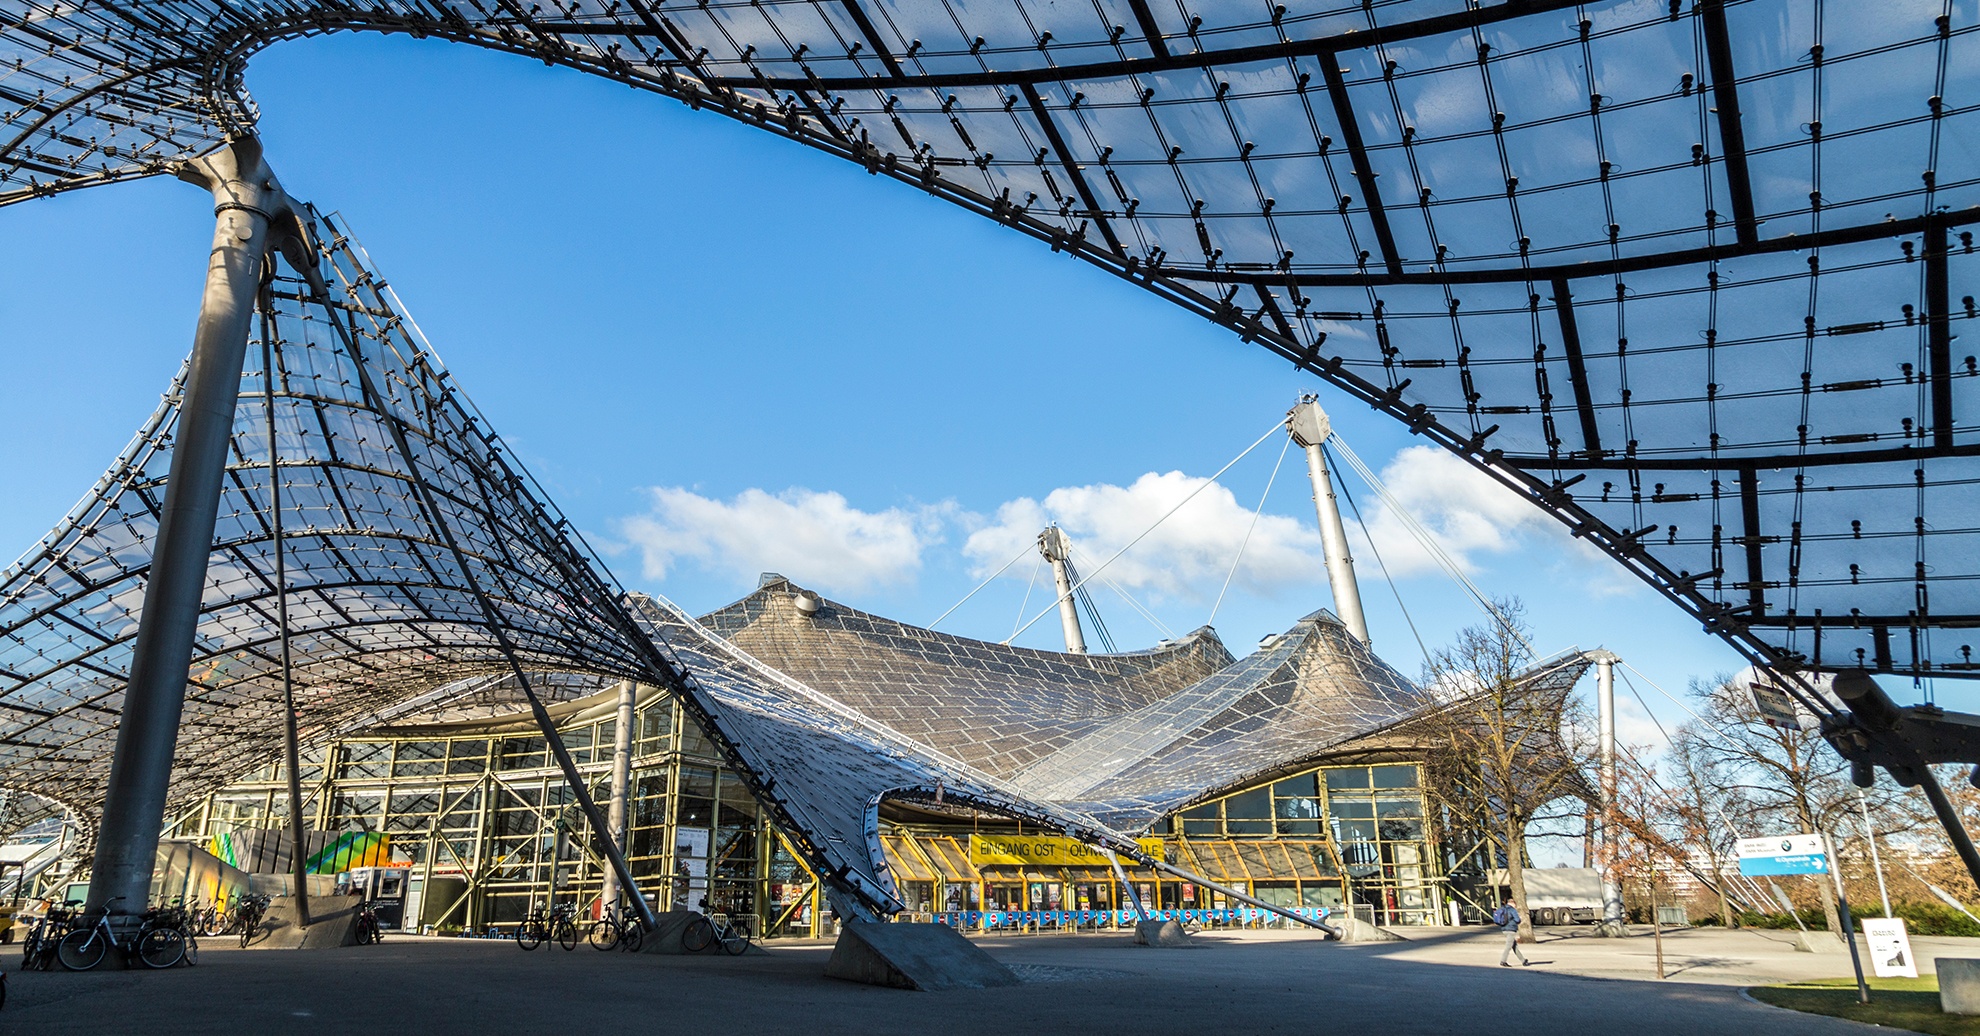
(701, 337)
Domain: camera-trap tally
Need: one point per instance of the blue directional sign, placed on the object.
(1782, 854)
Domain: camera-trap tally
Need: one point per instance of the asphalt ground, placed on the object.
(1441, 981)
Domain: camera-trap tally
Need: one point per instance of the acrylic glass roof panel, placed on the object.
(1308, 690)
(381, 609)
(1594, 248)
(831, 765)
(995, 707)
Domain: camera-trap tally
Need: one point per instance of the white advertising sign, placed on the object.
(1890, 948)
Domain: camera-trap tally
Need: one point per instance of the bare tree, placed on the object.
(1773, 779)
(1701, 810)
(1505, 749)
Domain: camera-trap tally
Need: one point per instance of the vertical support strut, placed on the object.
(1749, 516)
(1612, 923)
(1584, 395)
(291, 746)
(246, 200)
(615, 810)
(1309, 427)
(1732, 136)
(1938, 317)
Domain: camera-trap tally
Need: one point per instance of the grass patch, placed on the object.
(1902, 1003)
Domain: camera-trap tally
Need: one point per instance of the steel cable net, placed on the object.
(385, 625)
(1120, 740)
(416, 560)
(1686, 274)
(379, 610)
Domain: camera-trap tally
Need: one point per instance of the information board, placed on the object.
(1782, 854)
(1776, 709)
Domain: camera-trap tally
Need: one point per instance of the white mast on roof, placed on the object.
(1309, 427)
(1058, 549)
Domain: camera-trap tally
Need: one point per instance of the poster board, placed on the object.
(1890, 947)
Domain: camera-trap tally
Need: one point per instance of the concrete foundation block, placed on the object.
(1165, 934)
(332, 922)
(667, 938)
(1959, 984)
(1354, 929)
(926, 957)
(1817, 942)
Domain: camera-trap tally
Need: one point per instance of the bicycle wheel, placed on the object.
(567, 935)
(604, 934)
(529, 935)
(192, 949)
(161, 947)
(82, 949)
(700, 935)
(632, 938)
(735, 941)
(249, 928)
(30, 947)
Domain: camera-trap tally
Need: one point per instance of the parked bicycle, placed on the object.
(611, 932)
(159, 940)
(731, 933)
(554, 926)
(367, 926)
(38, 949)
(203, 918)
(246, 917)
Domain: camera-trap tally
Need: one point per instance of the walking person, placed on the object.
(1507, 918)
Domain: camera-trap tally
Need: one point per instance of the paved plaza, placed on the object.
(1253, 982)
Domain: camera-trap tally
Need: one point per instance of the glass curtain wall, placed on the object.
(1339, 835)
(492, 830)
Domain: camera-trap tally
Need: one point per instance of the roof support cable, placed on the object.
(1139, 608)
(1383, 565)
(1277, 426)
(992, 578)
(427, 505)
(1429, 542)
(291, 747)
(1650, 776)
(1026, 603)
(1248, 530)
(1153, 620)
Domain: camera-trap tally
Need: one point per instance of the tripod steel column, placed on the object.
(247, 201)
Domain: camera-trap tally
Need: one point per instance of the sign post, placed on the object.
(1803, 854)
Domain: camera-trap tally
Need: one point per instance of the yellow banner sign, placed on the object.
(1045, 851)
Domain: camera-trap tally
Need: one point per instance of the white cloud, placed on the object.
(1463, 510)
(817, 539)
(1187, 556)
(1470, 516)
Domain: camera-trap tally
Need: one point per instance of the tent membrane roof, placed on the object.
(369, 505)
(1688, 274)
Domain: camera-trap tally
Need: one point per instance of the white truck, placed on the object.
(1558, 895)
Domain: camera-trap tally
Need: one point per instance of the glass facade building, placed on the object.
(488, 827)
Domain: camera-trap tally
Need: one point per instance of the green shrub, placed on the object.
(1928, 919)
(1919, 919)
(1811, 918)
